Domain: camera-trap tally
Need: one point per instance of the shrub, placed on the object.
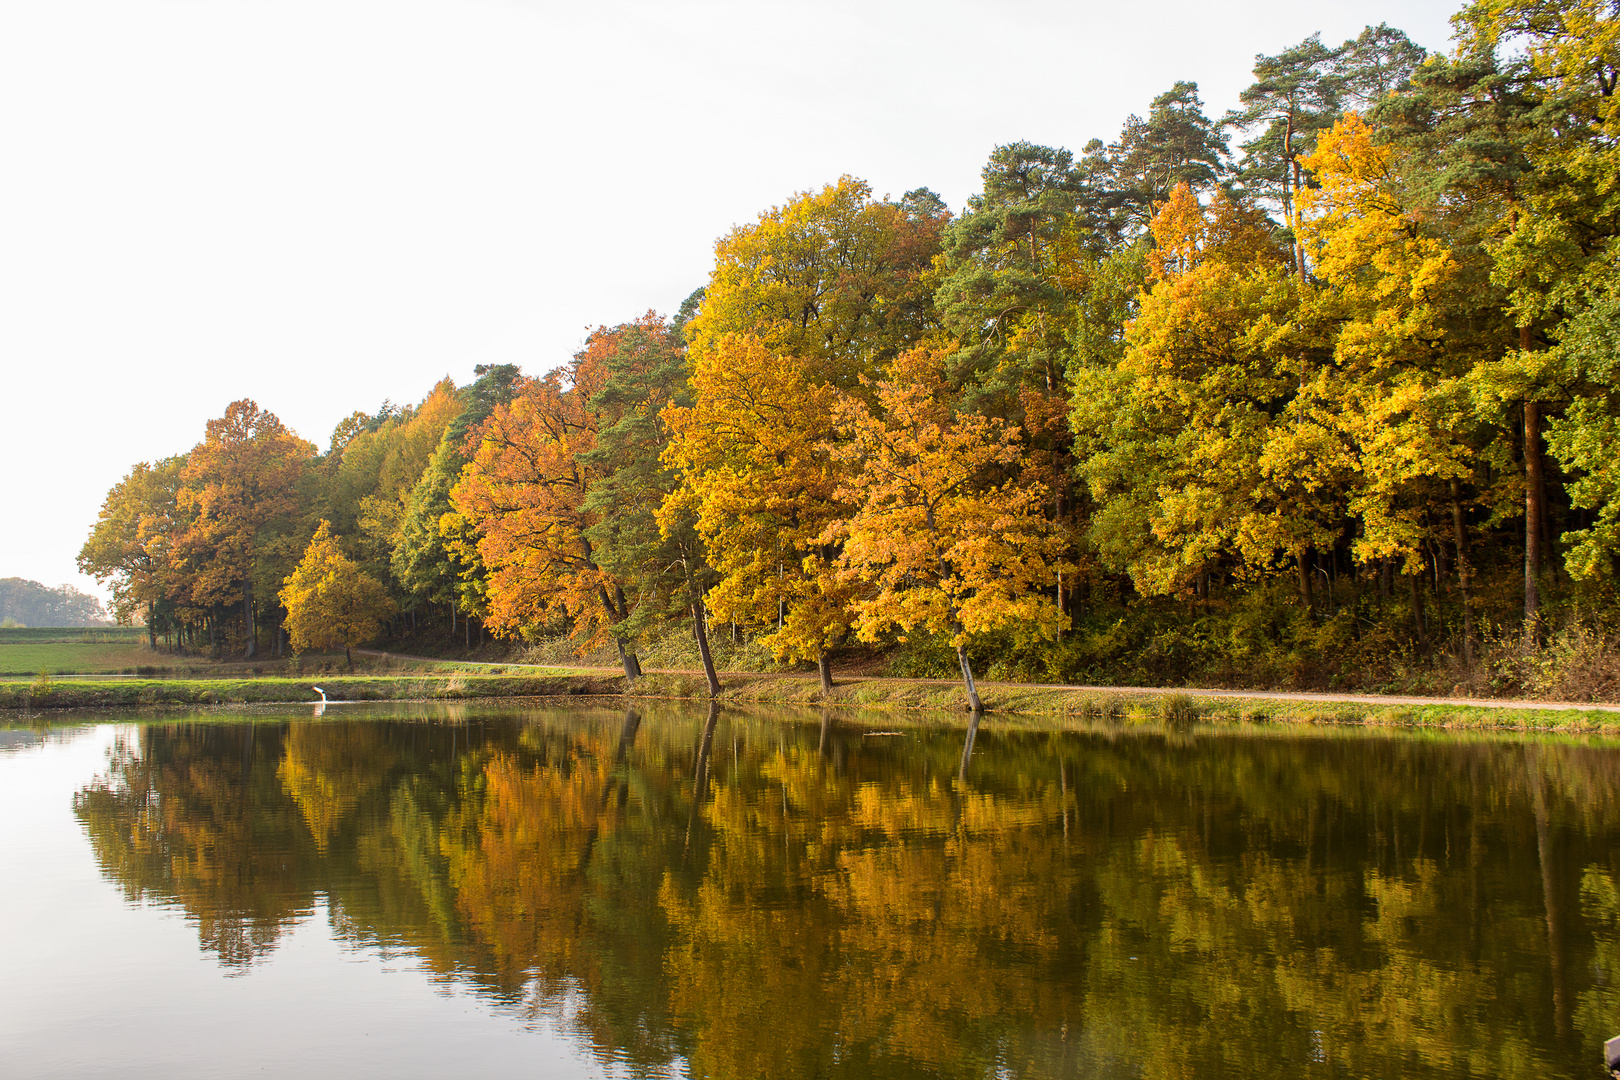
(1179, 709)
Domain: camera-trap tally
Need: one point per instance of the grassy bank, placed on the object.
(1173, 706)
(876, 695)
(130, 693)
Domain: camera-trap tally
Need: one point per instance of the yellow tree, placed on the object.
(130, 542)
(330, 601)
(1208, 443)
(1394, 378)
(762, 486)
(377, 470)
(947, 536)
(833, 277)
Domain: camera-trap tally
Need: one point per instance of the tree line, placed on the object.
(1321, 385)
(28, 603)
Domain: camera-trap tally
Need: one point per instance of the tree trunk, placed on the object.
(151, 626)
(247, 621)
(349, 656)
(1534, 508)
(627, 660)
(824, 666)
(1303, 559)
(974, 703)
(1464, 573)
(1418, 628)
(701, 631)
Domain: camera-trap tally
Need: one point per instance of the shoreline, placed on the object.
(1127, 704)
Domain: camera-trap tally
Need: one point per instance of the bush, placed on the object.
(1179, 709)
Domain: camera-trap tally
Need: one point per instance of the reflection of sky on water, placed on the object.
(93, 986)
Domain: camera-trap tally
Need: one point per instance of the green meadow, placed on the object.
(74, 650)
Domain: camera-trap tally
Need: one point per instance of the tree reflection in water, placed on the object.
(753, 896)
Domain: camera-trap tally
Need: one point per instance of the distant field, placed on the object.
(74, 657)
(98, 635)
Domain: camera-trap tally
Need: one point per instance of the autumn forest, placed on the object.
(1318, 393)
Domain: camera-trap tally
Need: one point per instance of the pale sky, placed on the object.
(322, 204)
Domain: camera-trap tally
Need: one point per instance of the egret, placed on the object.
(321, 692)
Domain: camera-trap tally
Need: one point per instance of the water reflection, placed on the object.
(741, 897)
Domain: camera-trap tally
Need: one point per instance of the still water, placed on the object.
(409, 892)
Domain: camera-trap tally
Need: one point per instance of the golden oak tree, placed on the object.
(129, 544)
(1389, 291)
(1211, 440)
(330, 601)
(833, 277)
(947, 534)
(763, 488)
(377, 470)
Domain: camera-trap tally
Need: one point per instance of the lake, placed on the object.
(404, 891)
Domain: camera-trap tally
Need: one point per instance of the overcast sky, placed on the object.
(322, 204)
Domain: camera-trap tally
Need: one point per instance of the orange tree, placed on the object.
(241, 484)
(525, 492)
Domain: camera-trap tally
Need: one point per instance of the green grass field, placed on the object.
(75, 657)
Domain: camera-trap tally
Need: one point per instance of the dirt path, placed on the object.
(1375, 700)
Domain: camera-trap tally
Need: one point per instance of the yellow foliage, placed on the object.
(758, 476)
(831, 276)
(947, 533)
(331, 602)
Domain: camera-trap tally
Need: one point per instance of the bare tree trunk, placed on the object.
(1464, 573)
(974, 703)
(824, 666)
(348, 655)
(701, 631)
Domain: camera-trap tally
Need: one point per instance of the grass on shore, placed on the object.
(1051, 704)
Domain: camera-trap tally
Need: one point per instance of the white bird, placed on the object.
(321, 692)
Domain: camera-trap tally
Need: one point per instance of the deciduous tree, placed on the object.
(946, 535)
(241, 486)
(330, 601)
